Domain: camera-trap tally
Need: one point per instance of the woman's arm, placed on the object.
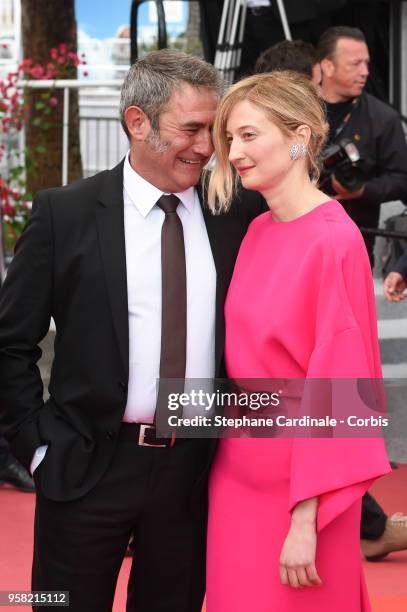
(297, 559)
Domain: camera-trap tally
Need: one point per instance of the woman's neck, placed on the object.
(293, 198)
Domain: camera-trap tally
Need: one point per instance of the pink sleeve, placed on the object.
(340, 470)
(337, 471)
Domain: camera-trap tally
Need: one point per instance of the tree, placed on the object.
(45, 25)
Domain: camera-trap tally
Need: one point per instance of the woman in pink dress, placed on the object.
(284, 514)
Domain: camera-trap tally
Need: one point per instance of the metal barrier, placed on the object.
(384, 233)
(88, 111)
(103, 142)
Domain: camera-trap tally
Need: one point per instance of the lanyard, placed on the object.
(345, 121)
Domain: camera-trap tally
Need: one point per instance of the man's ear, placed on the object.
(327, 67)
(137, 123)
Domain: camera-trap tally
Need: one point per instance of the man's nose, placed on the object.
(203, 144)
(364, 69)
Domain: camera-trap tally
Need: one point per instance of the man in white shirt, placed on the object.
(134, 270)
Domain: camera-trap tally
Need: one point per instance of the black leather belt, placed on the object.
(145, 434)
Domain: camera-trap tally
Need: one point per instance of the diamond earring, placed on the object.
(297, 150)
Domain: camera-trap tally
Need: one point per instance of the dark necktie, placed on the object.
(174, 292)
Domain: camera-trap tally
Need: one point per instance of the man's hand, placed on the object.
(297, 559)
(342, 193)
(394, 286)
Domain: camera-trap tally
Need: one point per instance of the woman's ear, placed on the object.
(303, 134)
(138, 124)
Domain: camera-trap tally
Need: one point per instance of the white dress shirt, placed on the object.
(143, 221)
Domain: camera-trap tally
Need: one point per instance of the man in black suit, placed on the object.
(94, 256)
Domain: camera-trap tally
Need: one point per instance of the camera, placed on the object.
(344, 161)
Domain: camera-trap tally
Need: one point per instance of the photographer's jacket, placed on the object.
(376, 130)
(401, 266)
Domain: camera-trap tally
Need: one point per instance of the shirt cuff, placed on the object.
(38, 457)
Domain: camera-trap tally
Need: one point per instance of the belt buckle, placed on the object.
(141, 436)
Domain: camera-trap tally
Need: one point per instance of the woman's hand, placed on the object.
(297, 559)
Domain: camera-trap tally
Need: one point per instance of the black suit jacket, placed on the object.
(70, 264)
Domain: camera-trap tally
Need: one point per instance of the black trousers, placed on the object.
(367, 217)
(5, 454)
(374, 518)
(150, 492)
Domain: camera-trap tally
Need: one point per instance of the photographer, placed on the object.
(372, 127)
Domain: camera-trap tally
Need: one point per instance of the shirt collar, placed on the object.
(144, 195)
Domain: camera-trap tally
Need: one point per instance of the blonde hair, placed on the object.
(289, 99)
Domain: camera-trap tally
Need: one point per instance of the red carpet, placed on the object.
(386, 580)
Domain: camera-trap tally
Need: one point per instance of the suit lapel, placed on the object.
(110, 224)
(211, 222)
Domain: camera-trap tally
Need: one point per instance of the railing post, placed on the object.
(65, 137)
(284, 20)
(2, 251)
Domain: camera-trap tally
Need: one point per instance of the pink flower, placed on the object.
(62, 48)
(53, 101)
(53, 53)
(51, 72)
(61, 60)
(26, 63)
(8, 209)
(37, 72)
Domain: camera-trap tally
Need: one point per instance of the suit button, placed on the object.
(110, 435)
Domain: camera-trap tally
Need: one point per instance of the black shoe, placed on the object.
(16, 475)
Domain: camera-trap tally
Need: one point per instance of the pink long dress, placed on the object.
(300, 304)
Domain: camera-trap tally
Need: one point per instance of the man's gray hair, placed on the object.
(151, 81)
